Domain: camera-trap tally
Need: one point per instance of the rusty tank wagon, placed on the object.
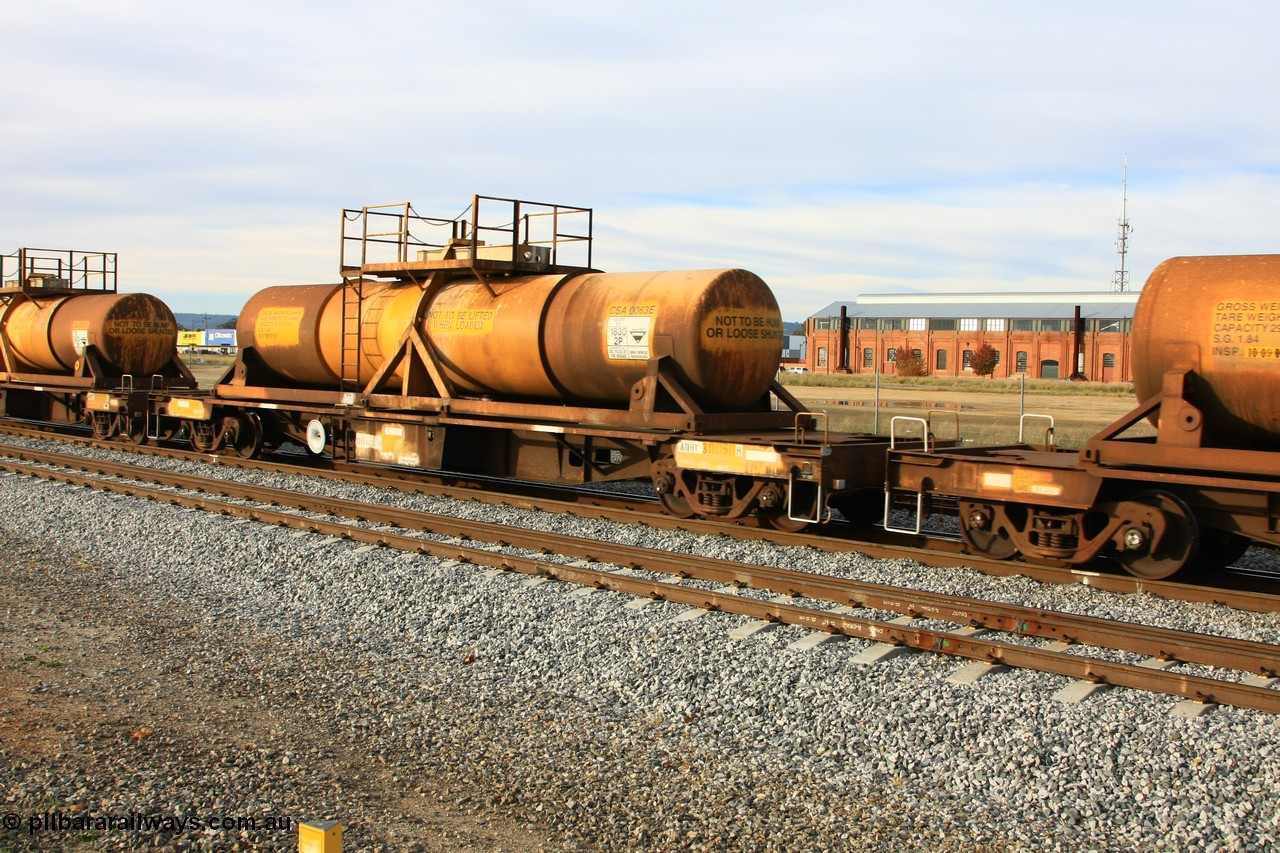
(72, 348)
(1194, 496)
(488, 344)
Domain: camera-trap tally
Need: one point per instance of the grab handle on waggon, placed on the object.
(1048, 433)
(893, 431)
(818, 515)
(810, 419)
(888, 493)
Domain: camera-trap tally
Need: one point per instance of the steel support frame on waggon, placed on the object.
(737, 462)
(109, 403)
(762, 463)
(1158, 505)
(720, 464)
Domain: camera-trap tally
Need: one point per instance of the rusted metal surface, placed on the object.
(131, 333)
(1173, 645)
(298, 331)
(721, 329)
(583, 338)
(449, 352)
(286, 327)
(1050, 478)
(1183, 444)
(491, 339)
(1207, 363)
(1220, 318)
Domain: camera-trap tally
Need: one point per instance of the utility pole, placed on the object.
(1121, 281)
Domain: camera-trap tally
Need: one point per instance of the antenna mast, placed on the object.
(1121, 281)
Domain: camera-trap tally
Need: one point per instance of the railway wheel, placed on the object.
(245, 435)
(672, 500)
(983, 528)
(134, 428)
(778, 519)
(103, 424)
(1167, 545)
(201, 435)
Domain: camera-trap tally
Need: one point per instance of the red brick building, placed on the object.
(1033, 334)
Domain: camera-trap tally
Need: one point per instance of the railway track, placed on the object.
(806, 598)
(1244, 591)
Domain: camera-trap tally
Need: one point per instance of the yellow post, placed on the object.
(320, 836)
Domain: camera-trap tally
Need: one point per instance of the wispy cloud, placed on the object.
(832, 148)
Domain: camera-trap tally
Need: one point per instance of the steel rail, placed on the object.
(1196, 688)
(938, 554)
(1240, 654)
(1188, 647)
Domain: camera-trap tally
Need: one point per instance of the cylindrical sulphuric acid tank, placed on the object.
(1219, 316)
(297, 329)
(584, 337)
(133, 333)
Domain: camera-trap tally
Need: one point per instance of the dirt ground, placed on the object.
(207, 368)
(108, 701)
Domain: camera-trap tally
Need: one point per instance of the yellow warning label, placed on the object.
(136, 327)
(19, 322)
(278, 327)
(742, 329)
(1026, 481)
(181, 407)
(1034, 482)
(728, 458)
(997, 480)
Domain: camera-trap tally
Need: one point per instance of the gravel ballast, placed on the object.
(167, 662)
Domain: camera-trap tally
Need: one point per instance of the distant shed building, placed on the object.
(793, 353)
(1032, 333)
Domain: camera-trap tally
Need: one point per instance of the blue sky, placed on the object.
(834, 148)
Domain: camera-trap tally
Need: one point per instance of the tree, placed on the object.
(911, 365)
(984, 359)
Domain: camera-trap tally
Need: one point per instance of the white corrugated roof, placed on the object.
(1013, 306)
